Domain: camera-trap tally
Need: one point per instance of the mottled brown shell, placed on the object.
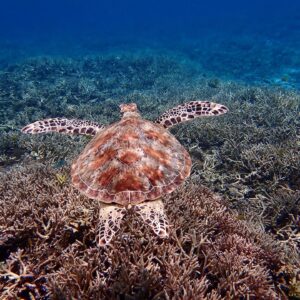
(131, 161)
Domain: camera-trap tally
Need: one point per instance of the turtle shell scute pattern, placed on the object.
(132, 161)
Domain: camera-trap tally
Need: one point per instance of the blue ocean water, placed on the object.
(246, 40)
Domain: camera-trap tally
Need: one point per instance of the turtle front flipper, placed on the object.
(61, 125)
(189, 111)
(110, 218)
(153, 214)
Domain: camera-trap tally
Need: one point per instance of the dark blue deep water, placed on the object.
(246, 40)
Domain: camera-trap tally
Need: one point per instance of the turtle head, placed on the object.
(129, 110)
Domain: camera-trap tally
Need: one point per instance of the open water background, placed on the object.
(250, 40)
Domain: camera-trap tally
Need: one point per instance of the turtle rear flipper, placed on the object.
(152, 213)
(110, 218)
(189, 111)
(61, 125)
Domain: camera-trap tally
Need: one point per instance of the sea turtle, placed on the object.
(131, 163)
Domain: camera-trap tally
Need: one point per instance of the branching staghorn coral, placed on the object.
(251, 157)
(48, 231)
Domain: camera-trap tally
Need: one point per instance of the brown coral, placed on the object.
(251, 157)
(47, 247)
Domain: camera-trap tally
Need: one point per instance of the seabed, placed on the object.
(234, 224)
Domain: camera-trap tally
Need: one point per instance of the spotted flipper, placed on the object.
(110, 218)
(189, 111)
(152, 213)
(61, 125)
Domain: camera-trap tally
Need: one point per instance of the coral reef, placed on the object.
(217, 248)
(48, 244)
(255, 157)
